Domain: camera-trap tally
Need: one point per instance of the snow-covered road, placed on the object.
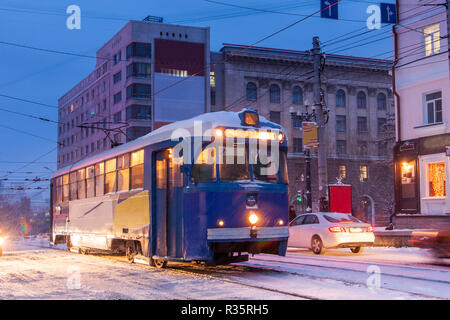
(29, 270)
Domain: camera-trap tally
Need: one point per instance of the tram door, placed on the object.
(169, 183)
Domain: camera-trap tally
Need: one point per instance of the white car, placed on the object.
(321, 230)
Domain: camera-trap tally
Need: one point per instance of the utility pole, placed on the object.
(318, 106)
(308, 182)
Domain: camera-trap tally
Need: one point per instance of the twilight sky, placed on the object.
(44, 77)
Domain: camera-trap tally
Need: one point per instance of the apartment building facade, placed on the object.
(422, 89)
(147, 75)
(357, 91)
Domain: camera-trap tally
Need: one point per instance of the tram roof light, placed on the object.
(251, 134)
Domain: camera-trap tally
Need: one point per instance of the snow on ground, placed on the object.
(28, 270)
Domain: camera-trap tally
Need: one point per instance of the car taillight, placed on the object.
(369, 229)
(336, 229)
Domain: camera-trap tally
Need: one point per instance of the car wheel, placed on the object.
(357, 249)
(317, 245)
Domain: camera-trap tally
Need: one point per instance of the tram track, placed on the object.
(223, 273)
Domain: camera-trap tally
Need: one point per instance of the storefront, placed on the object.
(422, 172)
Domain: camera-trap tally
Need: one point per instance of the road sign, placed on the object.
(329, 9)
(388, 13)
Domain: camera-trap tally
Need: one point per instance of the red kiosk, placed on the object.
(340, 196)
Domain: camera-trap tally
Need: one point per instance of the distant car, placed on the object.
(318, 231)
(436, 240)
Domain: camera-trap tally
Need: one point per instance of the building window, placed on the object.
(117, 57)
(117, 77)
(117, 117)
(139, 70)
(362, 124)
(297, 144)
(175, 72)
(381, 101)
(362, 148)
(104, 106)
(213, 98)
(297, 95)
(341, 147)
(274, 93)
(382, 148)
(341, 124)
(363, 173)
(118, 97)
(251, 91)
(139, 90)
(436, 179)
(361, 100)
(340, 98)
(275, 116)
(137, 49)
(382, 125)
(342, 172)
(212, 79)
(136, 132)
(432, 39)
(138, 112)
(434, 107)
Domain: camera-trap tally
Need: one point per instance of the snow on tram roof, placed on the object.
(208, 120)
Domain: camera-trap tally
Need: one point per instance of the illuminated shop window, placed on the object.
(436, 179)
(408, 177)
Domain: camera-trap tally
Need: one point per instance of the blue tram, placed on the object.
(212, 188)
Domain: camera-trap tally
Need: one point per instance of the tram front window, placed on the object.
(204, 169)
(234, 164)
(265, 166)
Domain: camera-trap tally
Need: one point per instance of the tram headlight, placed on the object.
(281, 136)
(218, 133)
(280, 222)
(253, 218)
(220, 223)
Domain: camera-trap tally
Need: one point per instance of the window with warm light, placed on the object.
(342, 172)
(212, 79)
(363, 173)
(436, 179)
(432, 39)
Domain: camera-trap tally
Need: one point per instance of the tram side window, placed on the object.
(59, 187)
(110, 176)
(283, 167)
(81, 176)
(123, 173)
(204, 169)
(137, 169)
(65, 180)
(73, 185)
(99, 178)
(90, 182)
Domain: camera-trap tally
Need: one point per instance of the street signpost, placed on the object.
(329, 9)
(388, 13)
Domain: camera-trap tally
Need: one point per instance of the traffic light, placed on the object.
(299, 198)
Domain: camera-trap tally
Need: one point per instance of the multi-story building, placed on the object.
(357, 91)
(422, 94)
(147, 75)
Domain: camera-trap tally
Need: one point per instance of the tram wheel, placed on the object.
(160, 263)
